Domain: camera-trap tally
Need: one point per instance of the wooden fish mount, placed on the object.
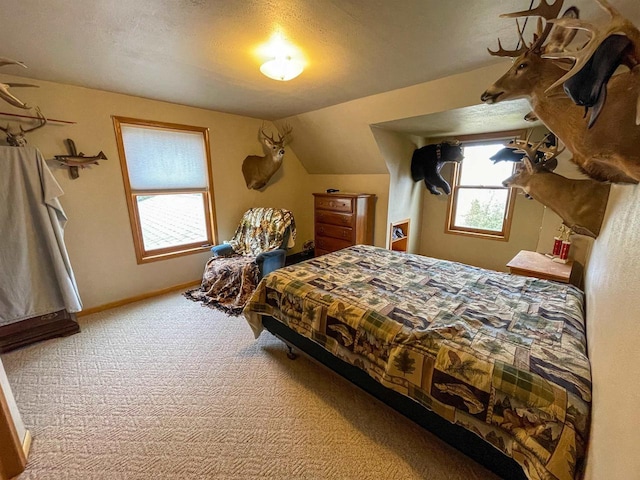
(75, 160)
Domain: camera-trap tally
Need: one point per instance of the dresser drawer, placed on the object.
(334, 231)
(336, 204)
(342, 219)
(331, 244)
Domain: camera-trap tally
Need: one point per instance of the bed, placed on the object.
(493, 363)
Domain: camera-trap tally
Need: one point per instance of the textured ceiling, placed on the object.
(204, 52)
(466, 121)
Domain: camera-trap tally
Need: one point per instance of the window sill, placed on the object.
(478, 234)
(154, 257)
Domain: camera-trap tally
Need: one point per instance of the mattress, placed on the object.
(503, 356)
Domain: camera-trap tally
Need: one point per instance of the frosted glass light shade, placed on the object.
(282, 68)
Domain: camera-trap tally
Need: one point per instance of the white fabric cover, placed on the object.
(36, 276)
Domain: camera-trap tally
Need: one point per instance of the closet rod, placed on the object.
(36, 118)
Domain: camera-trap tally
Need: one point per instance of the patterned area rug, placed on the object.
(166, 389)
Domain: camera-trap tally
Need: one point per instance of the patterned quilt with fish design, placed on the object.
(501, 355)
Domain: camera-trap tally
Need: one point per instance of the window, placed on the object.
(479, 205)
(167, 178)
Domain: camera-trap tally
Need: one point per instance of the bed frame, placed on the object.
(461, 439)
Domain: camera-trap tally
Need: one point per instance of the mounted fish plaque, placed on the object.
(75, 160)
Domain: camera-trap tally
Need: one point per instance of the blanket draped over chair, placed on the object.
(262, 230)
(229, 281)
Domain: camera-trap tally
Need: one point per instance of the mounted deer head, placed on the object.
(580, 203)
(615, 44)
(258, 170)
(608, 150)
(513, 151)
(18, 139)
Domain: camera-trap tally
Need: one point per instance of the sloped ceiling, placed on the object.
(465, 121)
(203, 53)
(339, 139)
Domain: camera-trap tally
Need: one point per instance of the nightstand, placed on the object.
(534, 264)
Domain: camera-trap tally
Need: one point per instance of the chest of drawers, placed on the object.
(342, 220)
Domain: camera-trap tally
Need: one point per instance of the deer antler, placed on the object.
(544, 10)
(270, 137)
(617, 24)
(501, 52)
(286, 132)
(519, 144)
(8, 61)
(531, 152)
(549, 158)
(42, 121)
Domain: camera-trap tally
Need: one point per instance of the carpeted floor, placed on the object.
(168, 389)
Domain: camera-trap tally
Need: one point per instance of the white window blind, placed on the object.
(164, 159)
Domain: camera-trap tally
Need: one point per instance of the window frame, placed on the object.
(450, 228)
(146, 256)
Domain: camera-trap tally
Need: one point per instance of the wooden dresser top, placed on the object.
(344, 194)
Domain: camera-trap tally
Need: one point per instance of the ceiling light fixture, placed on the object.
(282, 65)
(281, 68)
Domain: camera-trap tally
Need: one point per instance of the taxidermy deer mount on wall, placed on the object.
(427, 162)
(606, 150)
(258, 170)
(580, 203)
(513, 153)
(17, 138)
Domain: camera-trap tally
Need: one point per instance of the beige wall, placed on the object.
(613, 320)
(405, 195)
(339, 139)
(485, 253)
(98, 234)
